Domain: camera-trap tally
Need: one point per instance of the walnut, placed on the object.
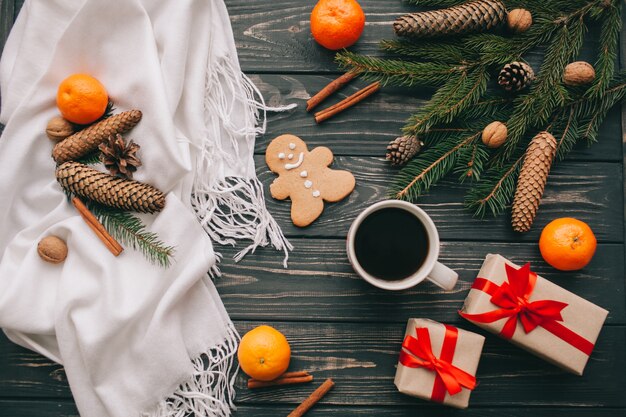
(52, 249)
(578, 73)
(494, 135)
(58, 129)
(519, 20)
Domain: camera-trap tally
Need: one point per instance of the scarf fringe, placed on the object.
(210, 391)
(233, 208)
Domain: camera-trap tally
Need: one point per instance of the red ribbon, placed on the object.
(513, 298)
(418, 353)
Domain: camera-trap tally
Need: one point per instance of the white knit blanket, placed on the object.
(135, 339)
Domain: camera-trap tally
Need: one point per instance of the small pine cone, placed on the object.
(89, 183)
(532, 180)
(475, 16)
(87, 140)
(516, 76)
(402, 149)
(119, 157)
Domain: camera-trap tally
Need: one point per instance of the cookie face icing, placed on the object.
(297, 164)
(304, 177)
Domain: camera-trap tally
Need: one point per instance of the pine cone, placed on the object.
(402, 149)
(516, 76)
(106, 189)
(87, 140)
(532, 180)
(475, 16)
(118, 157)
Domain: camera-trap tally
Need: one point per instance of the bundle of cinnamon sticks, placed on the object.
(298, 377)
(344, 104)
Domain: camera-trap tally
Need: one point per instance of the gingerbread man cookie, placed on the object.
(305, 178)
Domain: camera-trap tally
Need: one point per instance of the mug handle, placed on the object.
(443, 276)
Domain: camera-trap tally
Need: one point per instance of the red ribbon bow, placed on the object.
(418, 353)
(513, 298)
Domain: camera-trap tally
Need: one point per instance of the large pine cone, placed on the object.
(516, 76)
(402, 149)
(475, 16)
(89, 183)
(87, 140)
(532, 180)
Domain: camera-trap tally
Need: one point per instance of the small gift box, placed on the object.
(534, 313)
(438, 362)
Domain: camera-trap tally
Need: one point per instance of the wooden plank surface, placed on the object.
(342, 328)
(590, 192)
(366, 129)
(361, 358)
(323, 286)
(44, 408)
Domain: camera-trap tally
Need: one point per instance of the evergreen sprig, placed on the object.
(130, 231)
(466, 99)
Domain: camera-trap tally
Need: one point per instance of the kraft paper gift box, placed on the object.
(457, 353)
(534, 313)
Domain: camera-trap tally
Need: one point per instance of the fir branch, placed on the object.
(428, 168)
(607, 54)
(92, 158)
(130, 231)
(397, 72)
(548, 93)
(495, 192)
(448, 52)
(471, 161)
(449, 101)
(567, 135)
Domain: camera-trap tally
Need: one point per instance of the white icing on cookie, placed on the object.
(304, 174)
(308, 184)
(316, 193)
(297, 164)
(292, 146)
(281, 156)
(290, 156)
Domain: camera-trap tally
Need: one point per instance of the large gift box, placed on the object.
(438, 362)
(534, 313)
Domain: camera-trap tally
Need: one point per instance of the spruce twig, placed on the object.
(421, 173)
(462, 69)
(130, 231)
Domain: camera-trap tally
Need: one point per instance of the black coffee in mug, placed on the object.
(391, 244)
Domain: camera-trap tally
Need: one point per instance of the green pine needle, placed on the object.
(495, 191)
(429, 167)
(390, 71)
(90, 159)
(463, 70)
(130, 231)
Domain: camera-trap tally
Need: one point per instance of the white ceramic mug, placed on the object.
(430, 269)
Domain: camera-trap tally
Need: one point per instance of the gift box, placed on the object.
(438, 362)
(534, 313)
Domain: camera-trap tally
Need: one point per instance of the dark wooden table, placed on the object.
(338, 325)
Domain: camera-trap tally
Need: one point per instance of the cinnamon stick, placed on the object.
(108, 240)
(329, 89)
(313, 398)
(253, 383)
(347, 102)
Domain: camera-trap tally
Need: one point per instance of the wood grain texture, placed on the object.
(366, 129)
(337, 325)
(44, 408)
(590, 192)
(265, 30)
(7, 15)
(361, 359)
(323, 286)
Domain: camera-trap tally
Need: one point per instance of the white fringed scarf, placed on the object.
(135, 339)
